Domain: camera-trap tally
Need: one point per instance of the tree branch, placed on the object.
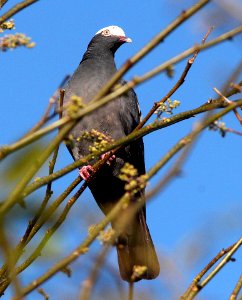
(83, 247)
(43, 120)
(35, 254)
(180, 81)
(124, 141)
(186, 53)
(30, 233)
(7, 149)
(196, 286)
(17, 8)
(236, 290)
(221, 264)
(185, 15)
(204, 271)
(2, 3)
(89, 283)
(6, 247)
(15, 195)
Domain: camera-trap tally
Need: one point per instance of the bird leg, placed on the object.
(86, 172)
(110, 159)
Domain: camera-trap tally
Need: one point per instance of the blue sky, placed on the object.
(199, 213)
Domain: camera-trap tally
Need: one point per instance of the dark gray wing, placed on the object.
(130, 116)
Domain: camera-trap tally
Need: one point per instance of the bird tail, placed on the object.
(136, 253)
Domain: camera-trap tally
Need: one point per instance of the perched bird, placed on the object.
(114, 120)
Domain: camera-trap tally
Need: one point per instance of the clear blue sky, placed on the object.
(200, 212)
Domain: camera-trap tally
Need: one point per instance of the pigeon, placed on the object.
(112, 121)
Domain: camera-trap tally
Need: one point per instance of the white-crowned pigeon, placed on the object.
(114, 120)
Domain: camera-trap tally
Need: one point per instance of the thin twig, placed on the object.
(43, 293)
(4, 244)
(236, 290)
(177, 85)
(233, 131)
(53, 207)
(222, 263)
(43, 120)
(186, 53)
(196, 286)
(52, 163)
(236, 88)
(89, 283)
(31, 233)
(131, 291)
(62, 94)
(229, 88)
(15, 195)
(239, 118)
(48, 194)
(17, 8)
(205, 270)
(57, 96)
(175, 169)
(230, 82)
(35, 254)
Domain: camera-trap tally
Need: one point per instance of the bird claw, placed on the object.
(111, 158)
(86, 172)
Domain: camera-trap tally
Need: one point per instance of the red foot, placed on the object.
(110, 160)
(86, 172)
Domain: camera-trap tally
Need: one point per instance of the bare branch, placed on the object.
(204, 271)
(222, 263)
(2, 3)
(35, 254)
(185, 15)
(176, 86)
(196, 286)
(33, 229)
(7, 149)
(17, 8)
(43, 293)
(239, 118)
(89, 283)
(236, 290)
(188, 52)
(43, 120)
(81, 249)
(6, 247)
(124, 141)
(15, 195)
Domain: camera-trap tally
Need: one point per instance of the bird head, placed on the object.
(115, 33)
(109, 38)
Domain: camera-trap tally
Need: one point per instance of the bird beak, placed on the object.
(125, 39)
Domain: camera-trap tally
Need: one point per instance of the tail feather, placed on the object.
(135, 249)
(134, 244)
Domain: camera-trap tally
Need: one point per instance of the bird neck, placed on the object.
(100, 55)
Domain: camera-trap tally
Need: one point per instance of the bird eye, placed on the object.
(106, 32)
